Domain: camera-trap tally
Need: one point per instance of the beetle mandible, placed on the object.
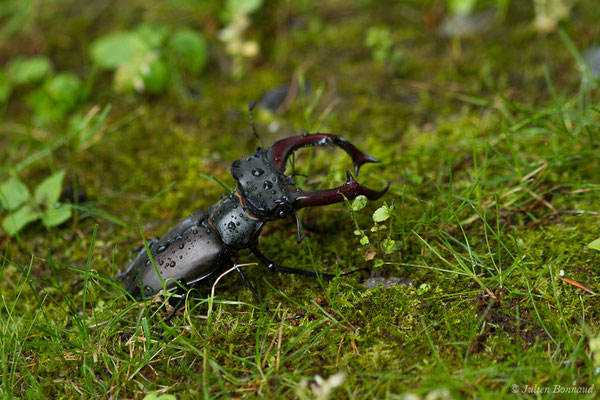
(199, 248)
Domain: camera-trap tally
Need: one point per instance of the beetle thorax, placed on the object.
(236, 228)
(264, 191)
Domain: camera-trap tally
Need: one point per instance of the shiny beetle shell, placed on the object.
(190, 252)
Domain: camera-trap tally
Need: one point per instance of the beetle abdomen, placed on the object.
(189, 252)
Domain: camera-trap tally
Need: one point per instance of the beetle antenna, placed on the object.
(250, 108)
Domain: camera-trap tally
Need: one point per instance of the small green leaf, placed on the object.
(378, 263)
(423, 288)
(65, 90)
(190, 48)
(155, 76)
(48, 192)
(388, 246)
(55, 216)
(364, 240)
(381, 214)
(462, 7)
(13, 193)
(237, 8)
(23, 71)
(359, 203)
(159, 396)
(119, 48)
(59, 95)
(595, 245)
(153, 35)
(358, 232)
(15, 221)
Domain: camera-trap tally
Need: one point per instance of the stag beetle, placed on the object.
(199, 248)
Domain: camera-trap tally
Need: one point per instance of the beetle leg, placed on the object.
(274, 267)
(255, 293)
(177, 306)
(349, 190)
(280, 151)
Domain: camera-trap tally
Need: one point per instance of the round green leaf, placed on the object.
(154, 36)
(56, 98)
(48, 192)
(462, 7)
(55, 216)
(155, 76)
(15, 221)
(119, 48)
(595, 244)
(65, 90)
(13, 193)
(159, 396)
(359, 203)
(190, 49)
(388, 246)
(22, 71)
(236, 8)
(381, 214)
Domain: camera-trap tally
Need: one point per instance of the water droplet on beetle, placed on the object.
(181, 245)
(231, 226)
(162, 247)
(161, 262)
(172, 264)
(257, 172)
(267, 185)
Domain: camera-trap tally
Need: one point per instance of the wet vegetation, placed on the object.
(118, 119)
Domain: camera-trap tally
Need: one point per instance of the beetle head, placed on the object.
(265, 191)
(268, 194)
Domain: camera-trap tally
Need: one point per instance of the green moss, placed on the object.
(492, 177)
